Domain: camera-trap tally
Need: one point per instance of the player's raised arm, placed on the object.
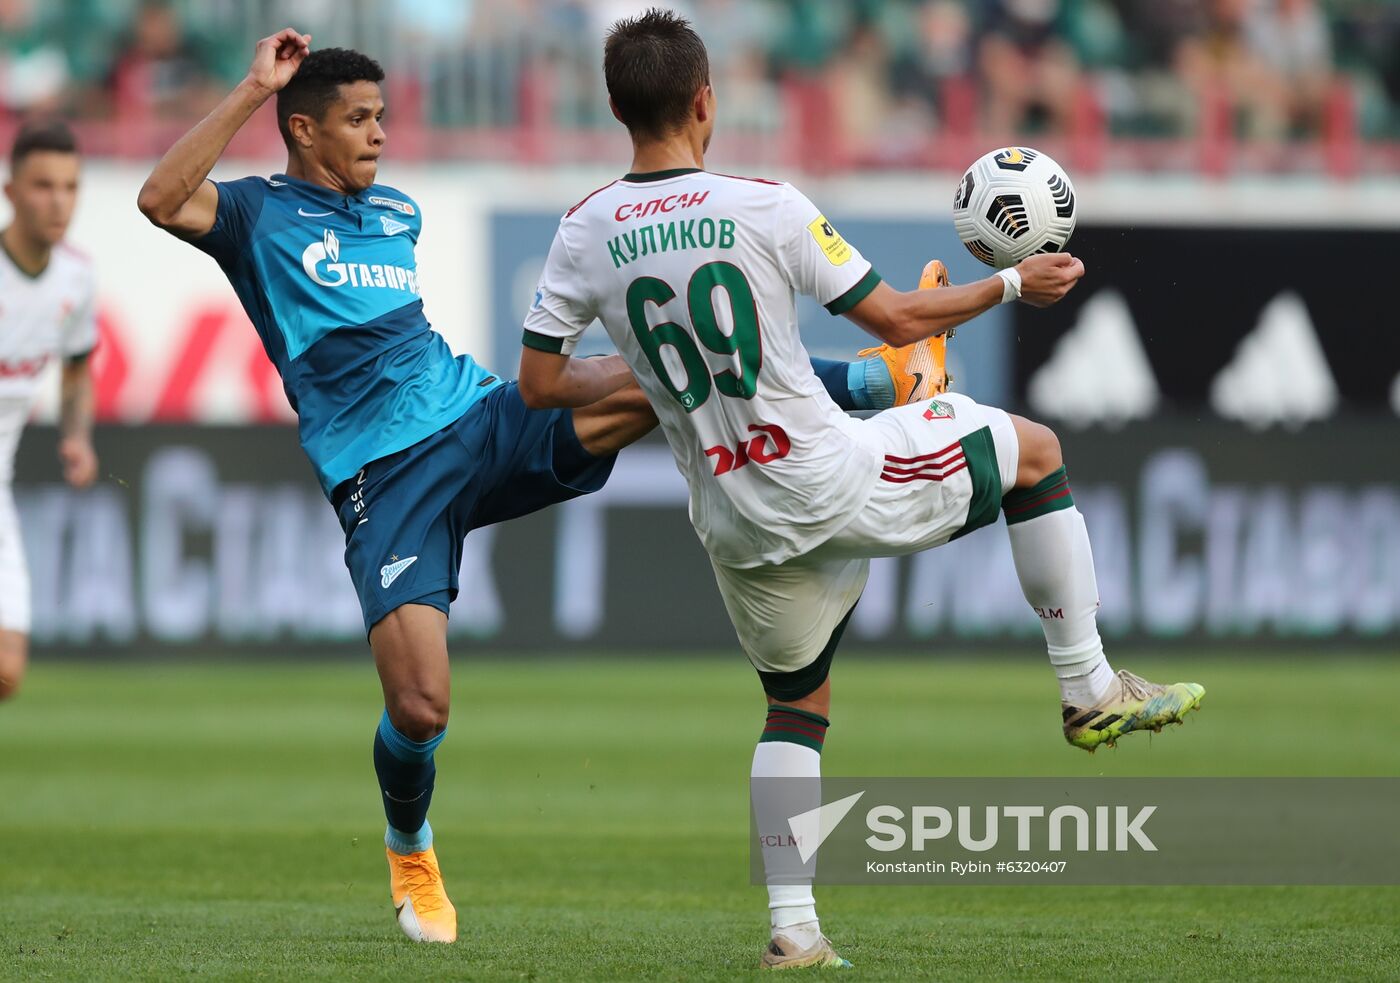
(902, 318)
(177, 197)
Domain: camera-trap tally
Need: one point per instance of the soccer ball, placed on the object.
(1014, 203)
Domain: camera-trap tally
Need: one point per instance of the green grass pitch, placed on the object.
(163, 822)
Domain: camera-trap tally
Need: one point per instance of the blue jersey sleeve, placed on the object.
(240, 202)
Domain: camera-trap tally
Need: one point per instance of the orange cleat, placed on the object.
(420, 900)
(918, 370)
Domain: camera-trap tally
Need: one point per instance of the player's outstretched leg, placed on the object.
(865, 384)
(1055, 565)
(919, 370)
(410, 650)
(875, 383)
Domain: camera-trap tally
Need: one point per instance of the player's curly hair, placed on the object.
(316, 85)
(654, 64)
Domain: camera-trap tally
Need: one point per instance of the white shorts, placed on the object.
(14, 572)
(947, 464)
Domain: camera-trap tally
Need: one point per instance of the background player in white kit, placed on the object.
(693, 275)
(46, 313)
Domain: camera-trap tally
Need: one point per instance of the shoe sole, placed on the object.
(811, 962)
(935, 274)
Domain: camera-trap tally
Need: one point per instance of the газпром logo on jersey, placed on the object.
(337, 274)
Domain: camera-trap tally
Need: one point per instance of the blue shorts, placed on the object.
(406, 516)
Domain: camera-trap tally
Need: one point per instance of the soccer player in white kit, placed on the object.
(693, 275)
(46, 314)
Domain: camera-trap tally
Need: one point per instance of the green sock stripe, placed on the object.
(815, 718)
(792, 726)
(1050, 494)
(1054, 479)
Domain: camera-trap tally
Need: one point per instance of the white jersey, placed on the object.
(42, 318)
(693, 274)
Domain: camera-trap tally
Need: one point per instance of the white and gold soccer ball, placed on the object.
(1014, 203)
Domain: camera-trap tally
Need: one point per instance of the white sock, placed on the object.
(1056, 569)
(1088, 689)
(792, 911)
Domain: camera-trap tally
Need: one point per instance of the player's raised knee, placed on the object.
(417, 715)
(1040, 451)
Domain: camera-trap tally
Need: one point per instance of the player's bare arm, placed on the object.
(75, 450)
(549, 380)
(177, 196)
(901, 318)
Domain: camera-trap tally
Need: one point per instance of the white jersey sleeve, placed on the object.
(561, 311)
(817, 261)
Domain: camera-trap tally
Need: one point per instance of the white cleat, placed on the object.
(783, 953)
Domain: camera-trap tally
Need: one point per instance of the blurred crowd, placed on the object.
(1149, 66)
(1272, 69)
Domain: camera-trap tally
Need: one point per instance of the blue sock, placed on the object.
(862, 385)
(406, 772)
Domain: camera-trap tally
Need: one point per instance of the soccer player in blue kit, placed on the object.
(413, 447)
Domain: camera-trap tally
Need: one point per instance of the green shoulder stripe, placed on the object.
(856, 294)
(543, 342)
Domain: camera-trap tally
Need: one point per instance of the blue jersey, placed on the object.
(331, 285)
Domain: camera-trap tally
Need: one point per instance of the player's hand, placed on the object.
(1047, 277)
(79, 461)
(277, 58)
